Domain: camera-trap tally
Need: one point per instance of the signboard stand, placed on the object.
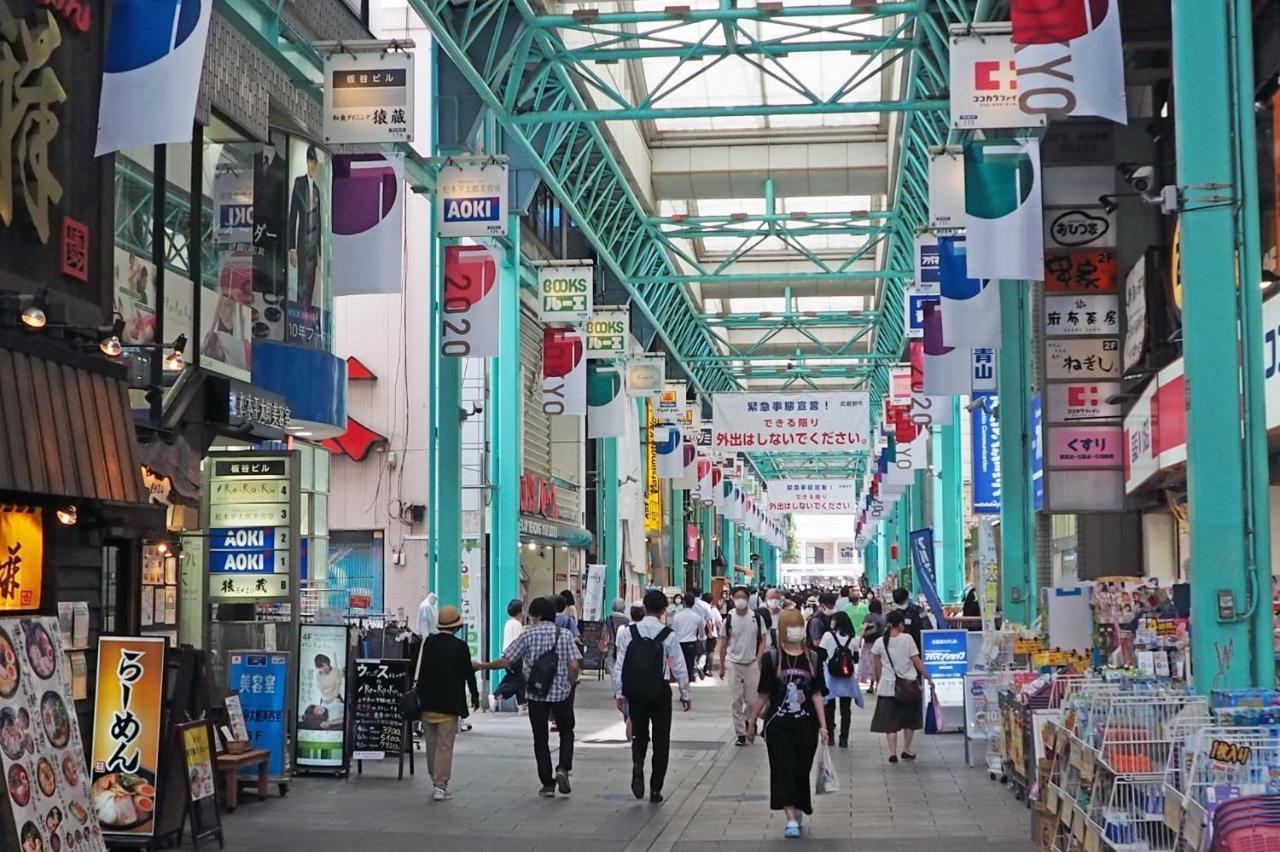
(194, 741)
(406, 747)
(322, 743)
(377, 729)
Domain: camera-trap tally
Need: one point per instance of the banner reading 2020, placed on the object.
(791, 422)
(469, 310)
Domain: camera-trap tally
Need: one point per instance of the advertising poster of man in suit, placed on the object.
(308, 244)
(270, 265)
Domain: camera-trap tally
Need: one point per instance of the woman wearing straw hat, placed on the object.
(444, 673)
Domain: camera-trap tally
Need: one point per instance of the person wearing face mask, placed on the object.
(690, 631)
(820, 623)
(740, 652)
(677, 603)
(791, 688)
(773, 603)
(898, 673)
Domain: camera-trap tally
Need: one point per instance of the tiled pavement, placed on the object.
(717, 797)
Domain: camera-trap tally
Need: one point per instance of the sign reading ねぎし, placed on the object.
(607, 331)
(791, 422)
(252, 519)
(21, 557)
(564, 292)
(322, 697)
(369, 97)
(127, 708)
(813, 496)
(471, 198)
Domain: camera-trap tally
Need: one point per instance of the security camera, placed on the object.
(1140, 178)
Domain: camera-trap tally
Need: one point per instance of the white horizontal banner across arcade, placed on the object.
(791, 422)
(813, 496)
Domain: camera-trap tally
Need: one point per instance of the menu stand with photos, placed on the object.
(195, 741)
(379, 730)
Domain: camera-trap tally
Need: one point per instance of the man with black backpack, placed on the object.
(745, 637)
(551, 664)
(819, 623)
(648, 657)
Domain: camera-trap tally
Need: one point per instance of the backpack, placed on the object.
(542, 674)
(728, 627)
(818, 626)
(844, 661)
(643, 667)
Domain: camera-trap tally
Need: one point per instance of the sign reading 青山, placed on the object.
(471, 198)
(791, 422)
(813, 496)
(251, 504)
(564, 292)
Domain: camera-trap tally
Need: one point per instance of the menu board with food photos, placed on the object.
(45, 775)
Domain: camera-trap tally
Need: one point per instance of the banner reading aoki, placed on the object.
(564, 372)
(471, 198)
(813, 496)
(791, 422)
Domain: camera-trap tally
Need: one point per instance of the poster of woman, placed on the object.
(322, 697)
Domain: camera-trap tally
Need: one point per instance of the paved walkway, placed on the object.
(717, 797)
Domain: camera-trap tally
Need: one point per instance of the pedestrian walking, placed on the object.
(840, 649)
(715, 626)
(790, 699)
(551, 663)
(442, 696)
(649, 657)
(819, 624)
(899, 704)
(617, 618)
(512, 685)
(689, 627)
(915, 619)
(740, 652)
(873, 627)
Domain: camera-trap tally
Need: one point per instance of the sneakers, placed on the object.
(548, 791)
(906, 755)
(440, 794)
(792, 830)
(655, 798)
(637, 781)
(464, 726)
(562, 782)
(740, 741)
(844, 742)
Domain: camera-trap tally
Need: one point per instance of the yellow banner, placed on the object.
(126, 733)
(652, 484)
(21, 557)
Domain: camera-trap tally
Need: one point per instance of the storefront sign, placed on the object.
(1085, 447)
(646, 375)
(791, 422)
(377, 731)
(1081, 315)
(607, 331)
(946, 192)
(988, 575)
(652, 484)
(198, 757)
(564, 372)
(1155, 429)
(982, 378)
(158, 485)
(471, 593)
(21, 557)
(1068, 270)
(1071, 402)
(322, 697)
(984, 84)
(127, 718)
(927, 286)
(593, 593)
(261, 679)
(1078, 227)
(253, 527)
(813, 496)
(1035, 420)
(369, 96)
(248, 406)
(471, 198)
(40, 747)
(1096, 358)
(985, 455)
(670, 407)
(1135, 313)
(538, 496)
(564, 293)
(945, 657)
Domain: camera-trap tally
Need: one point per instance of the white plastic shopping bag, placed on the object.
(827, 780)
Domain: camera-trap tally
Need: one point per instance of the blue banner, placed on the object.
(923, 562)
(1037, 452)
(263, 684)
(945, 656)
(985, 457)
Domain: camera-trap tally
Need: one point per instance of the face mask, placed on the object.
(739, 603)
(774, 604)
(795, 634)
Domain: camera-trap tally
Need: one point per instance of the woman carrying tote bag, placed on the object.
(898, 671)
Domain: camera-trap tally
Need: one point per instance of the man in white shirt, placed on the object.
(645, 692)
(689, 627)
(715, 626)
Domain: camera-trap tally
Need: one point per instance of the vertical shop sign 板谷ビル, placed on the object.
(369, 97)
(252, 515)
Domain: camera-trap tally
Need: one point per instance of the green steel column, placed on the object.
(1017, 517)
(504, 440)
(952, 488)
(888, 538)
(446, 473)
(1222, 490)
(609, 532)
(675, 525)
(707, 524)
(728, 545)
(871, 559)
(908, 503)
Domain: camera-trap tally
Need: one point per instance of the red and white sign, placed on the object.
(813, 496)
(564, 372)
(984, 83)
(469, 315)
(1069, 56)
(1072, 402)
(1076, 447)
(1155, 430)
(791, 422)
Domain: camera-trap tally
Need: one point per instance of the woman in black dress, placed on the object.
(791, 690)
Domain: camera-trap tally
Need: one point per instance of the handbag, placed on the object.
(410, 703)
(905, 690)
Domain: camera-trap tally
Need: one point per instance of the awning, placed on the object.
(65, 430)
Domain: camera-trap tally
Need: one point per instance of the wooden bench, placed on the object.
(231, 764)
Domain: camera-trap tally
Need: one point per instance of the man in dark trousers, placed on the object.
(648, 656)
(916, 620)
(305, 227)
(444, 670)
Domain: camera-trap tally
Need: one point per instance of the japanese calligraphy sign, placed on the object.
(565, 292)
(469, 310)
(564, 372)
(21, 557)
(607, 331)
(126, 733)
(984, 83)
(1081, 315)
(813, 496)
(791, 422)
(1072, 447)
(1068, 270)
(1135, 313)
(368, 97)
(378, 726)
(1093, 358)
(322, 697)
(42, 754)
(471, 198)
(1071, 402)
(252, 519)
(261, 679)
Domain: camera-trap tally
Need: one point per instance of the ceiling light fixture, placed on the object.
(67, 515)
(110, 344)
(33, 315)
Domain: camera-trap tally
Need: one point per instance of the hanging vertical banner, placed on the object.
(564, 372)
(1036, 421)
(646, 375)
(21, 557)
(127, 717)
(984, 455)
(984, 83)
(926, 287)
(667, 441)
(1135, 314)
(1069, 58)
(564, 292)
(606, 402)
(593, 593)
(946, 368)
(706, 481)
(970, 306)
(368, 223)
(368, 97)
(607, 330)
(1004, 222)
(946, 189)
(151, 73)
(688, 480)
(469, 310)
(471, 198)
(988, 575)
